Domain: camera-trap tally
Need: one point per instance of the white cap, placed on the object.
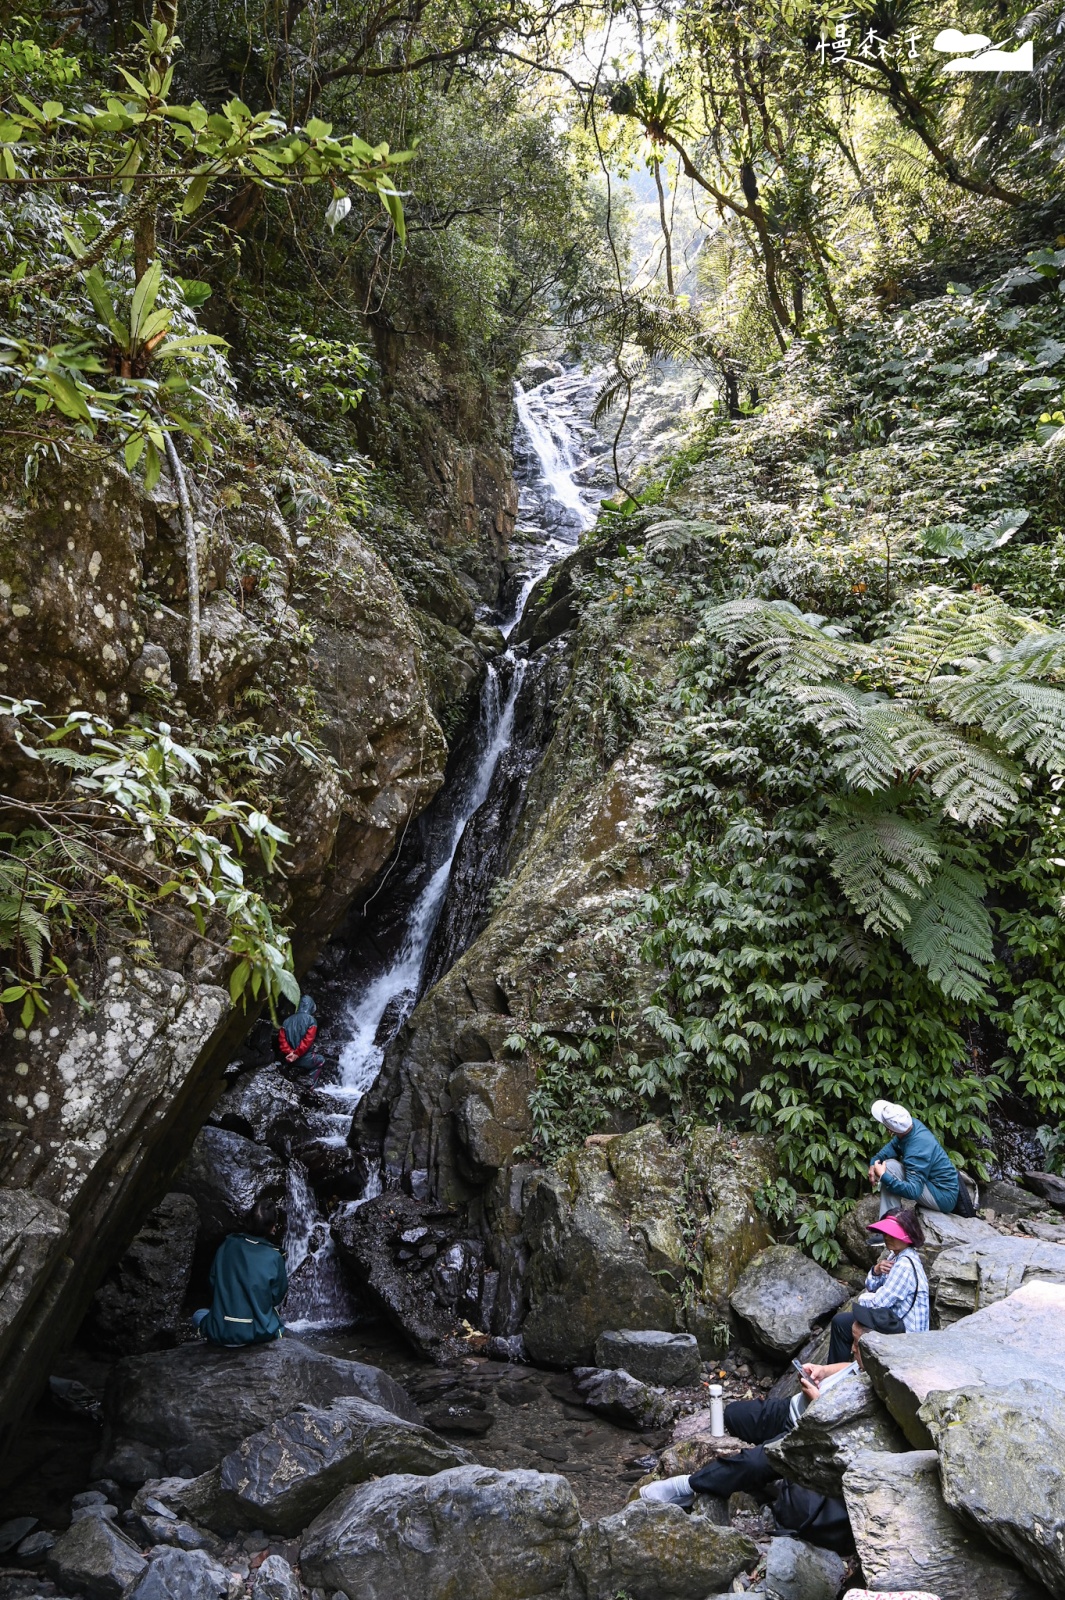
(896, 1119)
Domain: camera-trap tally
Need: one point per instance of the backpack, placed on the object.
(815, 1518)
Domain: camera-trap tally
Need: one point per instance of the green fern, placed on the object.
(949, 934)
(884, 863)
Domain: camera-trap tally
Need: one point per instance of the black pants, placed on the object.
(839, 1344)
(756, 1421)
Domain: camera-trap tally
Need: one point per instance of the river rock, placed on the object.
(587, 1271)
(225, 1174)
(846, 1420)
(185, 1409)
(862, 1247)
(275, 1580)
(1048, 1185)
(943, 1232)
(280, 1478)
(391, 1245)
(781, 1294)
(653, 1357)
(728, 1170)
(95, 1558)
(183, 1575)
(470, 1531)
(967, 1277)
(795, 1570)
(1008, 1199)
(265, 1106)
(658, 1552)
(140, 1304)
(1002, 1466)
(907, 1538)
(621, 1398)
(1022, 1336)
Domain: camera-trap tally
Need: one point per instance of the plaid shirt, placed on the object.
(894, 1292)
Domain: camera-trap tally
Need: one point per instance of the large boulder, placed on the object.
(781, 1294)
(1022, 1336)
(225, 1174)
(1048, 1185)
(658, 1552)
(621, 1398)
(265, 1106)
(944, 1231)
(795, 1570)
(860, 1245)
(967, 1277)
(728, 1170)
(590, 1267)
(185, 1409)
(96, 1559)
(140, 1304)
(651, 1356)
(908, 1539)
(280, 1478)
(392, 1246)
(470, 1532)
(1002, 1466)
(183, 1575)
(1006, 1199)
(838, 1426)
(490, 1111)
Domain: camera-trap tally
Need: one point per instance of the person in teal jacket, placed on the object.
(249, 1280)
(913, 1168)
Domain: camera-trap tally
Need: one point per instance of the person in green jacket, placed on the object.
(913, 1168)
(249, 1280)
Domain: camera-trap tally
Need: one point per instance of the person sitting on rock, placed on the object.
(913, 1166)
(249, 1281)
(758, 1422)
(895, 1299)
(296, 1037)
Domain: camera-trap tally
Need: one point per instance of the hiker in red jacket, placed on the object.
(296, 1037)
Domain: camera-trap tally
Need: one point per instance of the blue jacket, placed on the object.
(249, 1281)
(925, 1162)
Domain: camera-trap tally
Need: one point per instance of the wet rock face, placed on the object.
(1002, 1467)
(140, 1304)
(224, 1175)
(658, 1552)
(781, 1294)
(471, 1531)
(280, 1478)
(180, 1411)
(908, 1539)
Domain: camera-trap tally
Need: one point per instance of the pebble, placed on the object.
(36, 1547)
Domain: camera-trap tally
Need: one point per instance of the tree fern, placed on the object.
(949, 933)
(884, 863)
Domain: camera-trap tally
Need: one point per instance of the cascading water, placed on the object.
(555, 512)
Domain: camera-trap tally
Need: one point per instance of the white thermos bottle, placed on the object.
(717, 1412)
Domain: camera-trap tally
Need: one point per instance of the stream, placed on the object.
(395, 966)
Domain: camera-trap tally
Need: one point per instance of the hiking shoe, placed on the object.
(669, 1491)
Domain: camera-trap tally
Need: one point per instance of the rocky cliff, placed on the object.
(305, 632)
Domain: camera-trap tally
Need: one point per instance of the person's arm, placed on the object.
(911, 1185)
(816, 1375)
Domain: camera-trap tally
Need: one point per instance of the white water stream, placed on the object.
(556, 512)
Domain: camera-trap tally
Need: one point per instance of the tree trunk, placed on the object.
(656, 167)
(192, 558)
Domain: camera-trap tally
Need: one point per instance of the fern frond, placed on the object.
(883, 863)
(1027, 718)
(950, 934)
(781, 641)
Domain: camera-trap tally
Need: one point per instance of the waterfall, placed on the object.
(318, 1295)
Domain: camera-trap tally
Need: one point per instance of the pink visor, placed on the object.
(890, 1227)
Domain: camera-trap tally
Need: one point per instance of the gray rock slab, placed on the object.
(280, 1478)
(95, 1559)
(651, 1355)
(1008, 1199)
(781, 1294)
(275, 1580)
(1002, 1466)
(470, 1532)
(1022, 1336)
(967, 1277)
(621, 1398)
(1048, 1185)
(798, 1571)
(183, 1575)
(140, 1304)
(943, 1232)
(184, 1409)
(908, 1538)
(658, 1552)
(848, 1419)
